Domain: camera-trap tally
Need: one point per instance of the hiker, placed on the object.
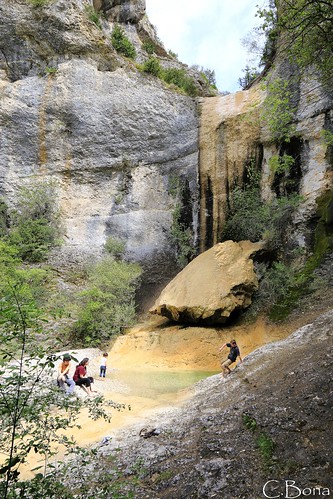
(80, 376)
(63, 378)
(233, 354)
(102, 369)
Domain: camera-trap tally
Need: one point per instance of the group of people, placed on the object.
(80, 378)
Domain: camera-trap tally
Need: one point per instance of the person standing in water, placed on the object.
(102, 369)
(233, 354)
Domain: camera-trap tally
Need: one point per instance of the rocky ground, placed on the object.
(271, 419)
(264, 431)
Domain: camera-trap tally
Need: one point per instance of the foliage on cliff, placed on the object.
(175, 77)
(304, 30)
(28, 234)
(121, 43)
(33, 226)
(299, 30)
(107, 305)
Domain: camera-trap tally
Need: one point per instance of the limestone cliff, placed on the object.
(115, 139)
(234, 134)
(229, 139)
(112, 138)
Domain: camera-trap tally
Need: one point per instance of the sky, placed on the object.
(207, 33)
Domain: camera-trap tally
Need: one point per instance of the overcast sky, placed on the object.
(207, 33)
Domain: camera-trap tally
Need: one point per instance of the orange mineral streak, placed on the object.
(42, 150)
(228, 139)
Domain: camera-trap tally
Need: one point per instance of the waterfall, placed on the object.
(229, 138)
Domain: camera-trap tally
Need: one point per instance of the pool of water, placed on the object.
(142, 392)
(152, 384)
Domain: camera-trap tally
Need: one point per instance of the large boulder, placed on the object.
(211, 287)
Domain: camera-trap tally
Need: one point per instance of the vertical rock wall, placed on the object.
(111, 138)
(114, 140)
(233, 134)
(229, 138)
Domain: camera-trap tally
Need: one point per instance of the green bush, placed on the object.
(93, 15)
(121, 43)
(175, 76)
(33, 239)
(278, 110)
(152, 66)
(281, 164)
(250, 218)
(35, 227)
(31, 281)
(274, 285)
(149, 47)
(281, 211)
(115, 247)
(37, 200)
(172, 76)
(179, 78)
(107, 305)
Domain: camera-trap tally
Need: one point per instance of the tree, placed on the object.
(210, 75)
(250, 74)
(35, 222)
(305, 31)
(108, 303)
(33, 412)
(207, 73)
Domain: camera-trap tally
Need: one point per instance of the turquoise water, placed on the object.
(155, 383)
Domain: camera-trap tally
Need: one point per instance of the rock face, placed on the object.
(114, 140)
(128, 11)
(111, 138)
(228, 137)
(211, 287)
(234, 135)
